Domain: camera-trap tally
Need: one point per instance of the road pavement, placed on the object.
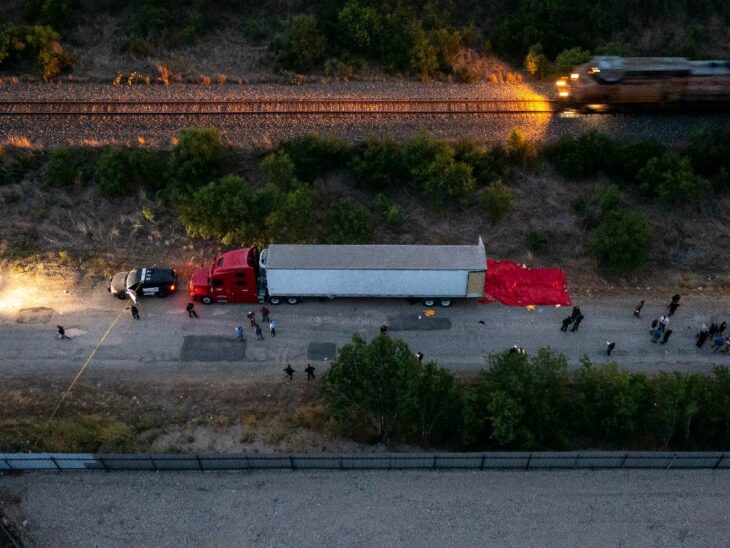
(167, 343)
(444, 509)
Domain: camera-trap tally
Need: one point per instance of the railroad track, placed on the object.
(274, 107)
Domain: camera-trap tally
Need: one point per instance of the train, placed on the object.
(611, 81)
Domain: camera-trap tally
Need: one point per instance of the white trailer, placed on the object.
(434, 273)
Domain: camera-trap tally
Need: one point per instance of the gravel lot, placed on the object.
(263, 131)
(602, 508)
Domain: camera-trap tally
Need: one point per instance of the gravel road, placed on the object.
(521, 509)
(264, 130)
(165, 343)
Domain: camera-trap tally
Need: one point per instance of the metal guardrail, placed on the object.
(67, 462)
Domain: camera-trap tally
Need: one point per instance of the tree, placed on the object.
(621, 241)
(122, 171)
(360, 26)
(314, 155)
(292, 219)
(570, 58)
(536, 62)
(521, 152)
(376, 164)
(675, 407)
(301, 46)
(197, 158)
(278, 169)
(380, 390)
(348, 223)
(67, 167)
(670, 179)
(496, 200)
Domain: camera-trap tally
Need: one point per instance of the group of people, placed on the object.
(716, 334)
(574, 319)
(309, 370)
(255, 327)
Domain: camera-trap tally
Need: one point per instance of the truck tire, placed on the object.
(206, 300)
(292, 300)
(445, 302)
(429, 302)
(274, 300)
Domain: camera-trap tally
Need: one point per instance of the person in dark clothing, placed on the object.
(419, 356)
(265, 314)
(62, 333)
(637, 310)
(566, 322)
(721, 328)
(676, 297)
(655, 323)
(575, 313)
(191, 310)
(289, 371)
(673, 307)
(610, 345)
(259, 333)
(576, 322)
(309, 370)
(251, 318)
(383, 329)
(713, 330)
(135, 312)
(702, 337)
(667, 334)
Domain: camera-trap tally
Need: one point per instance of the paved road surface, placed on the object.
(167, 342)
(459, 509)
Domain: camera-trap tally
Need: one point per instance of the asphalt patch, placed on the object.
(321, 351)
(39, 314)
(203, 348)
(411, 322)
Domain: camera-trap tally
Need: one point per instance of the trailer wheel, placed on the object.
(274, 300)
(445, 302)
(292, 300)
(206, 300)
(429, 302)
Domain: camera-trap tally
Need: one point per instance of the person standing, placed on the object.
(419, 356)
(265, 314)
(673, 306)
(566, 322)
(62, 333)
(667, 334)
(575, 313)
(702, 337)
(713, 330)
(656, 334)
(383, 329)
(637, 310)
(272, 328)
(258, 331)
(251, 318)
(663, 323)
(576, 322)
(721, 328)
(309, 370)
(191, 310)
(610, 346)
(135, 312)
(239, 333)
(289, 371)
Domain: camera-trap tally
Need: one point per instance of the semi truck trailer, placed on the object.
(435, 274)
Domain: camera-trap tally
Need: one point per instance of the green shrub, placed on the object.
(496, 201)
(57, 13)
(168, 23)
(292, 220)
(67, 167)
(670, 179)
(709, 152)
(301, 46)
(197, 158)
(348, 223)
(314, 155)
(123, 171)
(538, 240)
(390, 211)
(376, 164)
(583, 156)
(569, 58)
(360, 26)
(536, 62)
(621, 241)
(279, 170)
(20, 44)
(521, 152)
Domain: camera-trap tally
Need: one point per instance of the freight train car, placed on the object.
(615, 81)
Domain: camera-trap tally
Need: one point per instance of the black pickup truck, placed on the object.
(143, 281)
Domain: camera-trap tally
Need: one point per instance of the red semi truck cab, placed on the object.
(230, 279)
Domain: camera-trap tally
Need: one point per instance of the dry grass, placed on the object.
(18, 141)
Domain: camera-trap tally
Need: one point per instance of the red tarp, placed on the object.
(515, 285)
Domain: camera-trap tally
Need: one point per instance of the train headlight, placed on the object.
(560, 83)
(574, 75)
(564, 94)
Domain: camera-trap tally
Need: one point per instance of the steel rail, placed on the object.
(276, 106)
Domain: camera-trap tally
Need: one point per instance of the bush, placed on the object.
(709, 152)
(279, 170)
(197, 158)
(67, 167)
(292, 219)
(670, 179)
(314, 155)
(536, 62)
(21, 44)
(348, 223)
(376, 164)
(57, 13)
(569, 58)
(496, 201)
(379, 390)
(621, 241)
(301, 46)
(583, 156)
(538, 240)
(390, 211)
(521, 152)
(360, 26)
(123, 171)
(168, 23)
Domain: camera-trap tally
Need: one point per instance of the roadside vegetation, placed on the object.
(200, 182)
(346, 38)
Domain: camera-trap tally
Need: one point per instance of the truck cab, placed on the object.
(232, 278)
